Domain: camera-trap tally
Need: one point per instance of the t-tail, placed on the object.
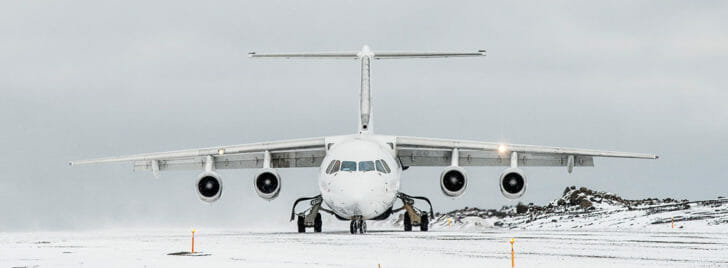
(366, 55)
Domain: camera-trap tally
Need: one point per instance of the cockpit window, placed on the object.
(336, 166)
(333, 166)
(380, 168)
(386, 167)
(348, 166)
(366, 166)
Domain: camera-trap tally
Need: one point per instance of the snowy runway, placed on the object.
(437, 248)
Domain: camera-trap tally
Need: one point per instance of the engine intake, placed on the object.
(209, 186)
(513, 183)
(453, 181)
(267, 183)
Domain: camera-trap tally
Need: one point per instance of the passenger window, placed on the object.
(380, 168)
(366, 166)
(386, 167)
(348, 166)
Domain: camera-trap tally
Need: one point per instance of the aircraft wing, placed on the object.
(414, 151)
(284, 154)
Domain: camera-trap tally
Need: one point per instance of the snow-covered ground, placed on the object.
(441, 247)
(582, 228)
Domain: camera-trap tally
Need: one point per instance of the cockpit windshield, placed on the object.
(380, 167)
(366, 166)
(348, 166)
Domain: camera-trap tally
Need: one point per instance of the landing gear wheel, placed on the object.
(363, 227)
(407, 222)
(301, 225)
(317, 223)
(424, 222)
(353, 227)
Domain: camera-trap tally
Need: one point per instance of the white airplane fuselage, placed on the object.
(366, 194)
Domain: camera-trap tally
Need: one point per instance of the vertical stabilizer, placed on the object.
(365, 98)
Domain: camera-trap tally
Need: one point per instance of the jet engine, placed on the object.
(209, 186)
(267, 183)
(513, 183)
(453, 181)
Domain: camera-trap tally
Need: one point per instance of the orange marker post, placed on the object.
(672, 222)
(193, 241)
(513, 263)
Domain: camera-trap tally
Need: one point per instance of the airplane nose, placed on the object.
(358, 194)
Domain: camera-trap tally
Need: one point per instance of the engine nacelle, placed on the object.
(453, 181)
(209, 186)
(512, 183)
(267, 183)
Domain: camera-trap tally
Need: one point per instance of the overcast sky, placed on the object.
(85, 79)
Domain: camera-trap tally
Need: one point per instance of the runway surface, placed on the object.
(438, 248)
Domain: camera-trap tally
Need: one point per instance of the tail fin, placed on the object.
(366, 55)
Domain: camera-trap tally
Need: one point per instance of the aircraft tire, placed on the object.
(407, 222)
(317, 223)
(301, 225)
(424, 222)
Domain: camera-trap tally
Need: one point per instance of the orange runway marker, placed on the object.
(193, 241)
(513, 263)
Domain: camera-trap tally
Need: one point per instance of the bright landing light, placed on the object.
(501, 148)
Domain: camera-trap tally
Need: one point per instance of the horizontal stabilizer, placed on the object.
(312, 55)
(366, 52)
(404, 55)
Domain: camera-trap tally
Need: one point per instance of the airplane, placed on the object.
(359, 174)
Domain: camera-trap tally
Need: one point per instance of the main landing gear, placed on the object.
(357, 225)
(310, 217)
(414, 216)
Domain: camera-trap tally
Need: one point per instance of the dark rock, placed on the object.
(584, 204)
(521, 208)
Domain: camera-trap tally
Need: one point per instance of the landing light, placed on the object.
(501, 148)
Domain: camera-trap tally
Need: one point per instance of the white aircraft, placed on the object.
(359, 174)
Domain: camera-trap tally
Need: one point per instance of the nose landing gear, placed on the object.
(357, 225)
(414, 216)
(310, 217)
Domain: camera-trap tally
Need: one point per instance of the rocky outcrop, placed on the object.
(582, 207)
